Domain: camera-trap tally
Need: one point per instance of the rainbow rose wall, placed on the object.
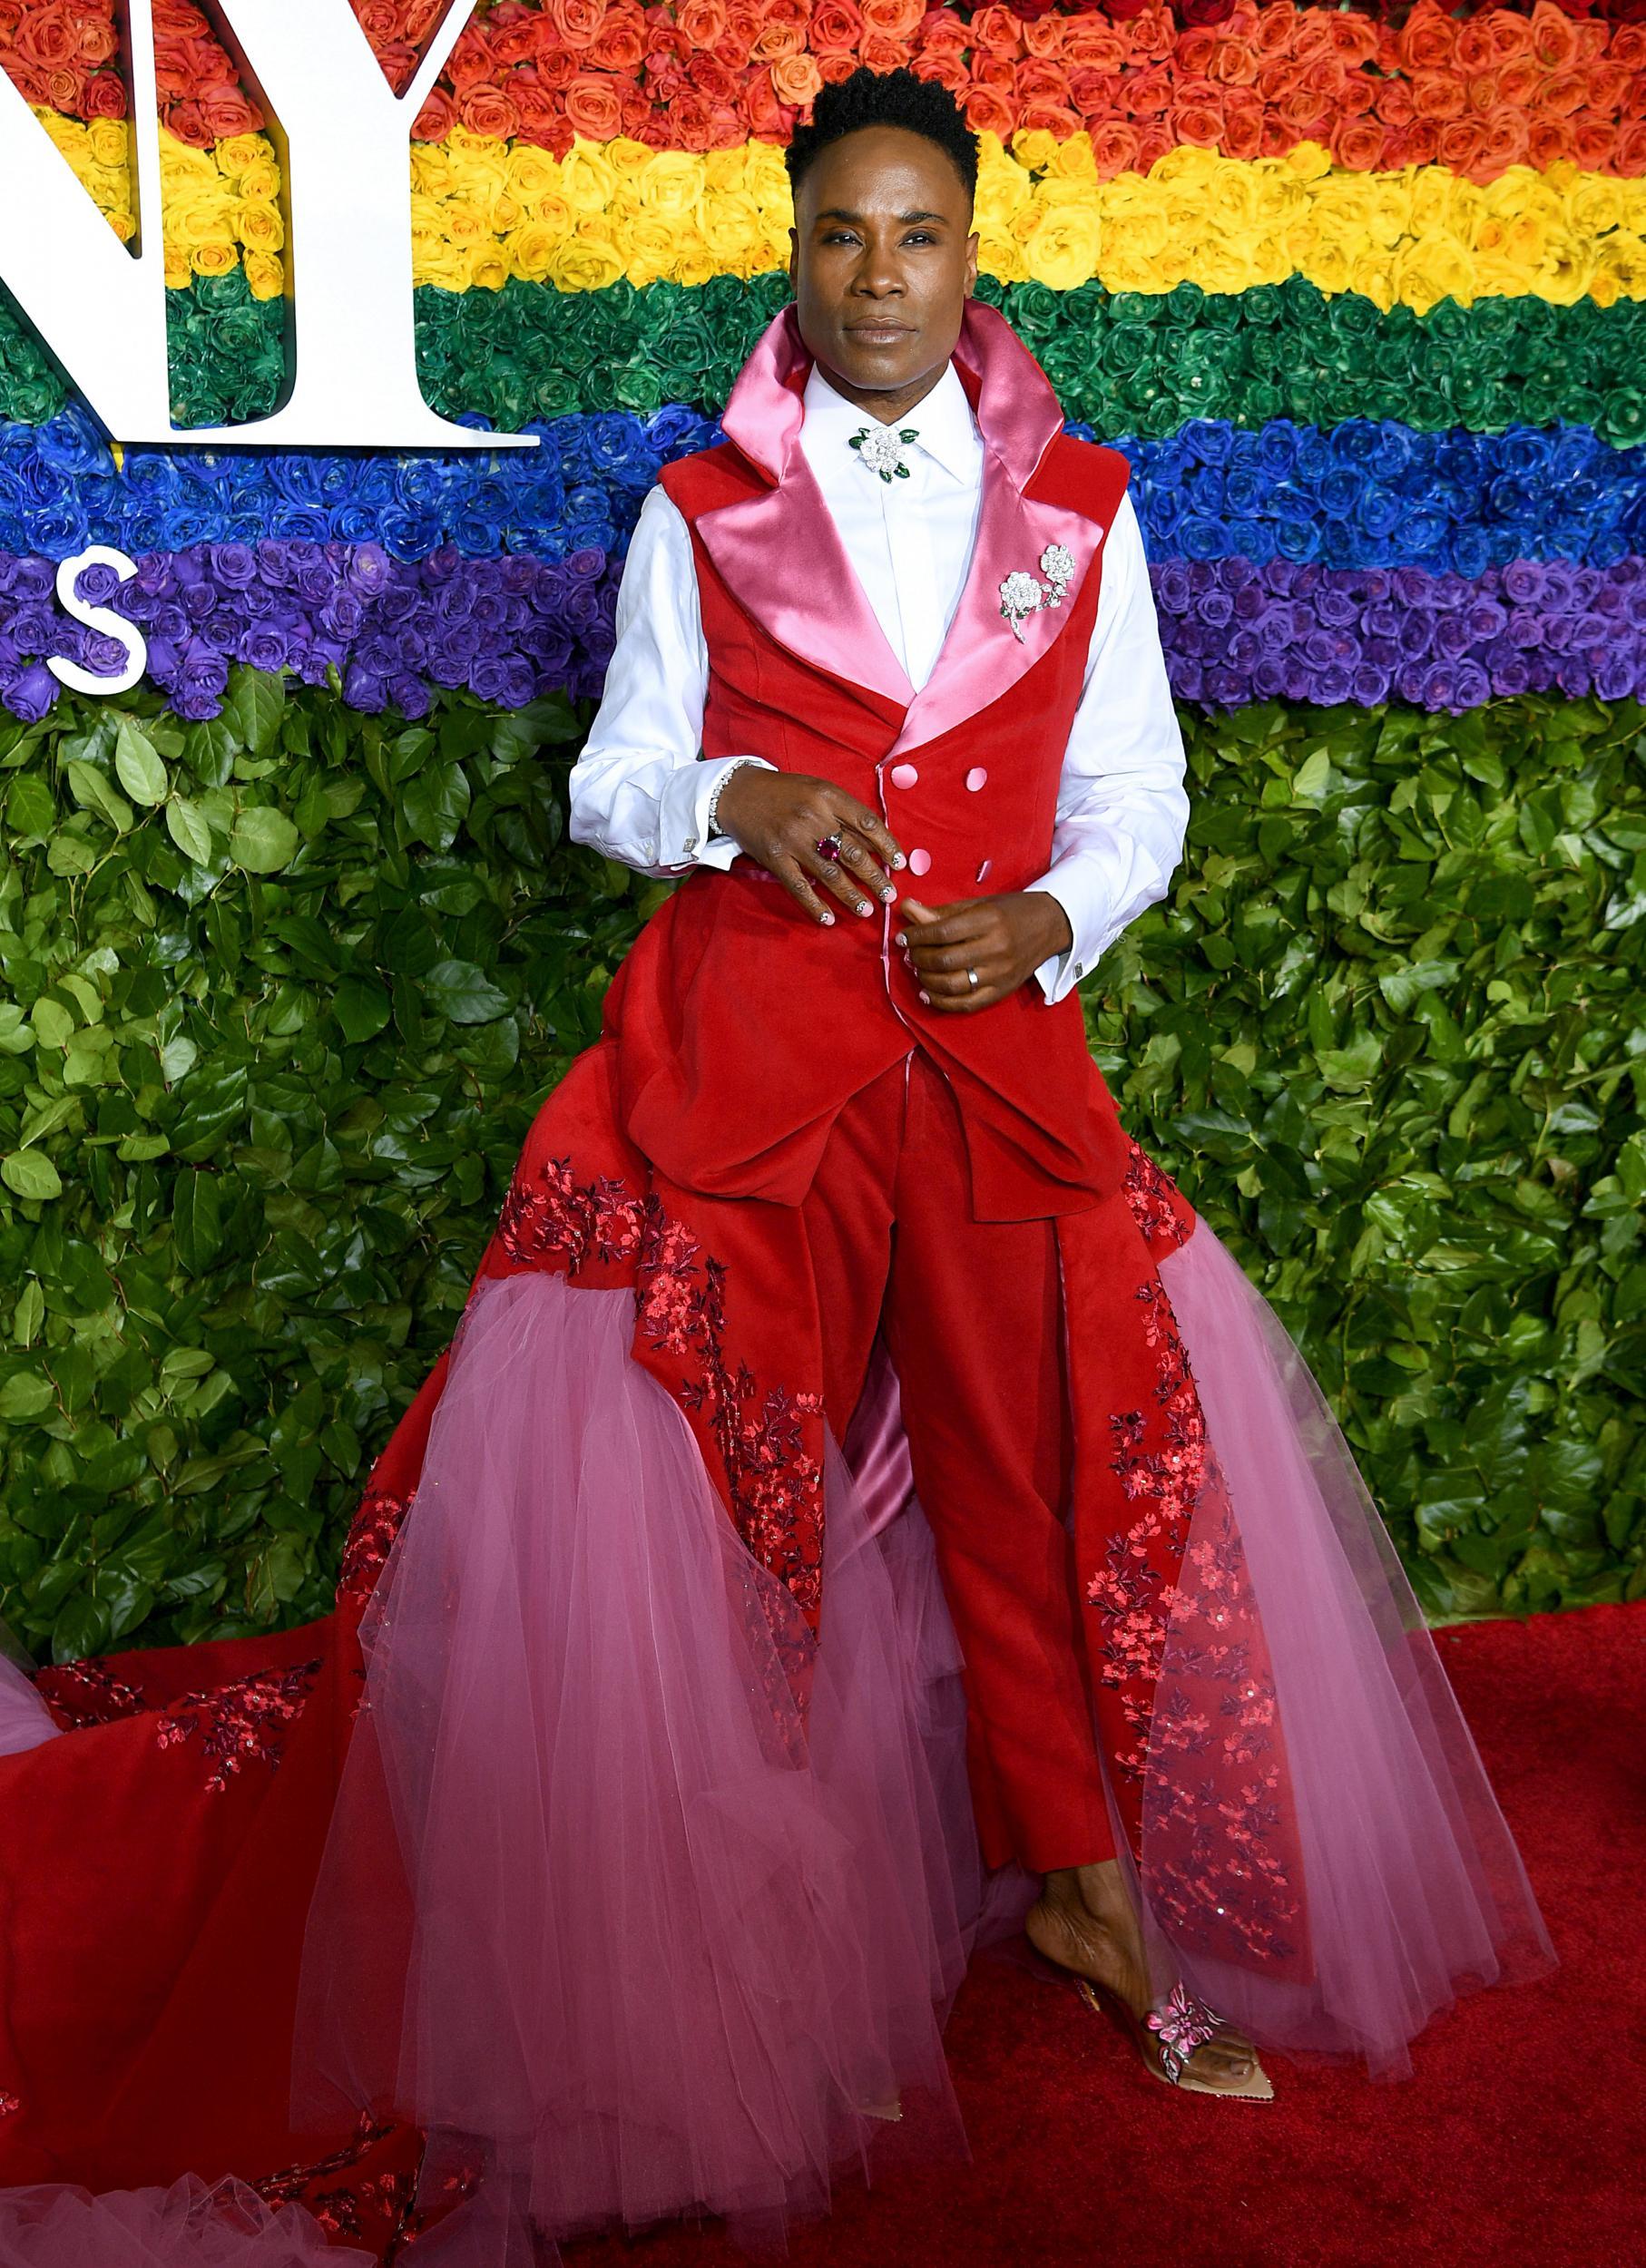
(294, 941)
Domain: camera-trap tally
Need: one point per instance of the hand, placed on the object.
(1003, 938)
(780, 817)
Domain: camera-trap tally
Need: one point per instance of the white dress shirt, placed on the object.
(639, 793)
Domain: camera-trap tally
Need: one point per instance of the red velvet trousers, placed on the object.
(973, 1316)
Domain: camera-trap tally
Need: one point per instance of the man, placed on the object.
(886, 490)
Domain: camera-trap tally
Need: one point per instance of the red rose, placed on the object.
(487, 110)
(1153, 143)
(594, 107)
(186, 122)
(1198, 121)
(1594, 139)
(1127, 11)
(1359, 143)
(1631, 155)
(769, 120)
(836, 28)
(1040, 82)
(228, 111)
(105, 96)
(876, 53)
(988, 111)
(1505, 143)
(1461, 145)
(472, 62)
(1113, 148)
(998, 31)
(1242, 125)
(433, 120)
(1548, 139)
(1437, 94)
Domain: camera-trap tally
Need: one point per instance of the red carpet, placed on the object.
(1520, 2142)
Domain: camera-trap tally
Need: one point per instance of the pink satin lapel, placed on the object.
(780, 554)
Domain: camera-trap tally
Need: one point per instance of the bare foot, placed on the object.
(1084, 1921)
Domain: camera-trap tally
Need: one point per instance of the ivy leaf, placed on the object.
(186, 824)
(464, 993)
(28, 1173)
(138, 764)
(253, 710)
(262, 840)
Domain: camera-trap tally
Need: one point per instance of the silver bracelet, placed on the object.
(736, 763)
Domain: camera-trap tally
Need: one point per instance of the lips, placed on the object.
(879, 334)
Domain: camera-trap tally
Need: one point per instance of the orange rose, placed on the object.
(893, 19)
(1153, 143)
(1594, 138)
(1355, 97)
(1235, 62)
(1553, 37)
(433, 120)
(876, 53)
(487, 110)
(1087, 39)
(795, 80)
(1047, 118)
(711, 78)
(1043, 83)
(1461, 144)
(1314, 38)
(1548, 140)
(1510, 35)
(1629, 157)
(1357, 38)
(105, 96)
(594, 107)
(782, 34)
(1276, 75)
(1198, 121)
(99, 41)
(1242, 125)
(1305, 116)
(836, 67)
(1628, 50)
(1275, 29)
(1095, 94)
(703, 21)
(1149, 92)
(1518, 82)
(998, 31)
(994, 70)
(1481, 92)
(1113, 149)
(1475, 52)
(1155, 35)
(769, 119)
(1196, 49)
(1437, 94)
(1608, 86)
(1359, 143)
(1428, 40)
(1410, 145)
(945, 35)
(556, 72)
(988, 111)
(1506, 144)
(1394, 102)
(836, 28)
(944, 72)
(1276, 141)
(577, 22)
(622, 42)
(1562, 94)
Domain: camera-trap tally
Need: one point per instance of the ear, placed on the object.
(971, 265)
(794, 259)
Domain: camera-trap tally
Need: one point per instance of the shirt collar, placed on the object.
(944, 420)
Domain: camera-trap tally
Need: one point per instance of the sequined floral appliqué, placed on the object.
(1204, 1741)
(243, 1722)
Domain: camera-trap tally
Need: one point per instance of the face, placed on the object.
(883, 263)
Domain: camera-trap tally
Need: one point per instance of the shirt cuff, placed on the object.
(1085, 900)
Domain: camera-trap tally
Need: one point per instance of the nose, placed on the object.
(878, 277)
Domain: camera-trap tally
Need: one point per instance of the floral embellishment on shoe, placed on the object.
(1023, 595)
(1183, 2024)
(881, 449)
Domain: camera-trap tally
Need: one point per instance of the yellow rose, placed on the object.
(672, 186)
(1597, 206)
(1072, 159)
(999, 254)
(235, 152)
(586, 263)
(587, 179)
(265, 275)
(1433, 268)
(532, 173)
(531, 247)
(694, 269)
(1035, 149)
(261, 180)
(259, 227)
(178, 270)
(489, 268)
(627, 157)
(433, 173)
(110, 143)
(464, 224)
(731, 227)
(446, 266)
(1060, 250)
(554, 212)
(213, 260)
(1305, 161)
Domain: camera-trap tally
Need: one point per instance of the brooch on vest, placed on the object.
(1023, 595)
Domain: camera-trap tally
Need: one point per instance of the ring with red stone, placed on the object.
(829, 844)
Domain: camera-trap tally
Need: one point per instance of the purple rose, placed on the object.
(409, 695)
(32, 693)
(1524, 581)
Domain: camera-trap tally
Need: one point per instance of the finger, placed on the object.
(964, 1002)
(856, 854)
(968, 922)
(931, 959)
(875, 832)
(835, 879)
(956, 985)
(793, 877)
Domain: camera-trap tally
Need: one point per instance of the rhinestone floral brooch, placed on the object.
(1183, 2024)
(1023, 595)
(881, 449)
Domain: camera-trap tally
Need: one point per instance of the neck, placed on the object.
(887, 406)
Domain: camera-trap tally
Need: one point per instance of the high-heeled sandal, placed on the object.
(1179, 2024)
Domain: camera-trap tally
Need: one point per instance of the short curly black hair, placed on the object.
(885, 98)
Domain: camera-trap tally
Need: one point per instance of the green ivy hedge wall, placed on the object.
(282, 992)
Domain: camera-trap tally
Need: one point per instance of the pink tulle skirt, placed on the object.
(641, 1902)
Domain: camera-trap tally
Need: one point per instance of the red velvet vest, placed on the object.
(745, 1023)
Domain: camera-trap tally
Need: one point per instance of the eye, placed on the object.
(920, 236)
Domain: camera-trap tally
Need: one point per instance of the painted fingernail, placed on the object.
(901, 938)
(898, 859)
(864, 906)
(926, 998)
(887, 894)
(826, 918)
